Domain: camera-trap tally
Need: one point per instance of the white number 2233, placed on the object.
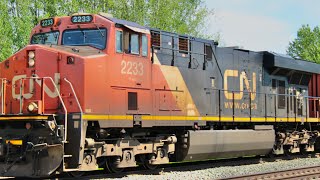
(131, 68)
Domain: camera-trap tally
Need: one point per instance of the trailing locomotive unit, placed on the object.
(92, 91)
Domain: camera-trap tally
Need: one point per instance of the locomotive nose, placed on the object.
(31, 76)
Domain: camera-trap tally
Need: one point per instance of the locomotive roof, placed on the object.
(129, 24)
(139, 28)
(272, 59)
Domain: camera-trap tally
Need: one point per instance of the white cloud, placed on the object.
(251, 32)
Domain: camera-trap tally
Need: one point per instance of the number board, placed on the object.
(81, 19)
(47, 22)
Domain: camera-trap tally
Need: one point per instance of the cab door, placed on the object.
(131, 69)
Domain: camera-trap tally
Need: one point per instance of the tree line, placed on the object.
(18, 17)
(306, 45)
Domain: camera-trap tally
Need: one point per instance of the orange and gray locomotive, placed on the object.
(91, 91)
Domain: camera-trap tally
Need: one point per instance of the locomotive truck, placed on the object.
(91, 91)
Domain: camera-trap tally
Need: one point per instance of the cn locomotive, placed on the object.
(91, 91)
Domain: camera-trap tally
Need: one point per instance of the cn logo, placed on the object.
(49, 92)
(243, 79)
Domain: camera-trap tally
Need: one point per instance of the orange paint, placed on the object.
(101, 80)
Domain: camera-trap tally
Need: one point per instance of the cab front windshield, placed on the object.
(45, 38)
(85, 37)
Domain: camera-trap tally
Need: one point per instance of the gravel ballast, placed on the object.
(227, 170)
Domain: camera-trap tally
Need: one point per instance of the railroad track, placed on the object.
(185, 166)
(295, 174)
(192, 166)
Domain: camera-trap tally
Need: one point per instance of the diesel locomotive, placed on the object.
(91, 91)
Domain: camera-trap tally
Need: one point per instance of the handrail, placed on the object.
(75, 95)
(77, 100)
(81, 119)
(303, 99)
(61, 100)
(307, 99)
(3, 93)
(236, 91)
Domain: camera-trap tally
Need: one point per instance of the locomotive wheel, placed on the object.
(145, 162)
(287, 153)
(270, 155)
(111, 166)
(147, 165)
(303, 150)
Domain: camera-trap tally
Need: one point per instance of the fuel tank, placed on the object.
(210, 144)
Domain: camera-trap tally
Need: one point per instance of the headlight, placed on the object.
(32, 107)
(31, 54)
(31, 62)
(31, 59)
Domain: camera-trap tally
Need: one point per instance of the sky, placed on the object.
(261, 24)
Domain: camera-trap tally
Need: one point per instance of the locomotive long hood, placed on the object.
(274, 60)
(297, 71)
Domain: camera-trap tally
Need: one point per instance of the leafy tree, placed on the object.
(18, 17)
(181, 16)
(306, 45)
(6, 35)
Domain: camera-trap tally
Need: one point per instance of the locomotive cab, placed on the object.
(124, 51)
(76, 30)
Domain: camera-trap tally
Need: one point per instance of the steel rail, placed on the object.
(189, 166)
(312, 172)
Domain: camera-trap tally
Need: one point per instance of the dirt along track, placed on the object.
(173, 170)
(299, 173)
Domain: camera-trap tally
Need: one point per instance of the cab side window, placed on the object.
(119, 42)
(144, 41)
(134, 44)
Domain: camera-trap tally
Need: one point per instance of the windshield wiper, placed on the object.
(55, 35)
(99, 30)
(81, 30)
